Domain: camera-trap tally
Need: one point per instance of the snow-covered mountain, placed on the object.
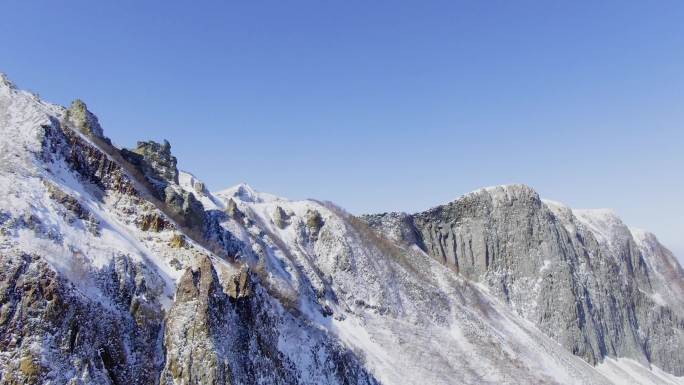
(116, 268)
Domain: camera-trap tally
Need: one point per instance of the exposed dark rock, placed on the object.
(84, 120)
(233, 211)
(178, 241)
(239, 285)
(74, 209)
(588, 298)
(216, 338)
(200, 188)
(92, 164)
(314, 222)
(155, 160)
(280, 217)
(95, 343)
(153, 222)
(186, 208)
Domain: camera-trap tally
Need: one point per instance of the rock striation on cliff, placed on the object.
(581, 275)
(117, 268)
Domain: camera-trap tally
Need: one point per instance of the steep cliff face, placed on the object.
(105, 279)
(117, 268)
(628, 290)
(217, 335)
(50, 332)
(578, 274)
(410, 318)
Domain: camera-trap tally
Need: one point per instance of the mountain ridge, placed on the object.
(448, 233)
(117, 268)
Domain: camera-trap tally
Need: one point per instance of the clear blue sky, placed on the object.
(380, 105)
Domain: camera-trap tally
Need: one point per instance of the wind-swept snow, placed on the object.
(306, 277)
(246, 193)
(624, 371)
(409, 316)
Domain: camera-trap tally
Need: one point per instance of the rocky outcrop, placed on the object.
(280, 217)
(239, 285)
(233, 211)
(398, 227)
(178, 241)
(78, 307)
(155, 160)
(51, 334)
(183, 206)
(320, 298)
(79, 115)
(625, 294)
(153, 222)
(216, 338)
(148, 178)
(314, 223)
(200, 188)
(73, 209)
(591, 295)
(193, 356)
(91, 163)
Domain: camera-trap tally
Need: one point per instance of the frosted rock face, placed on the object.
(96, 288)
(84, 120)
(579, 275)
(156, 160)
(668, 274)
(50, 333)
(112, 271)
(214, 338)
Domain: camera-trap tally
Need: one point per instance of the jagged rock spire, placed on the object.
(84, 120)
(158, 157)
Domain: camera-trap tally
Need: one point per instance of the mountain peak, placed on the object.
(502, 193)
(515, 189)
(246, 193)
(108, 257)
(5, 82)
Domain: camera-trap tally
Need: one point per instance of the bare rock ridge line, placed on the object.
(88, 323)
(117, 268)
(153, 168)
(594, 296)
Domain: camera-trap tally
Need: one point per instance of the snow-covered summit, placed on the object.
(246, 193)
(497, 194)
(5, 82)
(106, 277)
(604, 223)
(502, 190)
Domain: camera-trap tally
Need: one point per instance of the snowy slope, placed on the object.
(26, 181)
(667, 275)
(405, 307)
(102, 282)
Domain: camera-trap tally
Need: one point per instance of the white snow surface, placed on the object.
(246, 193)
(625, 371)
(411, 319)
(64, 242)
(190, 183)
(603, 223)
